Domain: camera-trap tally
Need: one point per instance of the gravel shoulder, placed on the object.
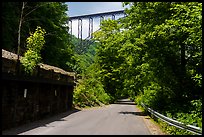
(153, 127)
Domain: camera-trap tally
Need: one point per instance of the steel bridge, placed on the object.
(91, 17)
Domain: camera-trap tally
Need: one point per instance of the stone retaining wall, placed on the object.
(26, 98)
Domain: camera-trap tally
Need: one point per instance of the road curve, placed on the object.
(121, 118)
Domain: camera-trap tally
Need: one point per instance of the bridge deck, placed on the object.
(97, 14)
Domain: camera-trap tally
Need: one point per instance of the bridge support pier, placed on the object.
(70, 27)
(80, 30)
(113, 17)
(101, 19)
(90, 17)
(90, 27)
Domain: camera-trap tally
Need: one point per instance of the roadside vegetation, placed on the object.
(153, 55)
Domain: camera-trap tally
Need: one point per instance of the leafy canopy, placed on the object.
(34, 44)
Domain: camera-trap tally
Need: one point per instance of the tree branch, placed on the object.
(35, 9)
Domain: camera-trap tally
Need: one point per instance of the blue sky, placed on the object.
(83, 8)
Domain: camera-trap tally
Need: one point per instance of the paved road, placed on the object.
(122, 118)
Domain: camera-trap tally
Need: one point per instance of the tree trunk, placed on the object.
(19, 30)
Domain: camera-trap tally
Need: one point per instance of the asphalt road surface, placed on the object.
(121, 118)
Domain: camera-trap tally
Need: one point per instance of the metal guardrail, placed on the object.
(190, 128)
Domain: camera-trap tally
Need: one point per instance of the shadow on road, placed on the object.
(134, 113)
(38, 123)
(124, 102)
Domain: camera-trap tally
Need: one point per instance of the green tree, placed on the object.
(10, 25)
(51, 16)
(108, 57)
(155, 54)
(34, 44)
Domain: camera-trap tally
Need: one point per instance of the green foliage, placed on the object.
(10, 20)
(84, 60)
(58, 50)
(34, 44)
(52, 16)
(90, 92)
(193, 117)
(154, 56)
(36, 40)
(109, 58)
(171, 130)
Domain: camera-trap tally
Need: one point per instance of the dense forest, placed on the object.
(50, 16)
(153, 55)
